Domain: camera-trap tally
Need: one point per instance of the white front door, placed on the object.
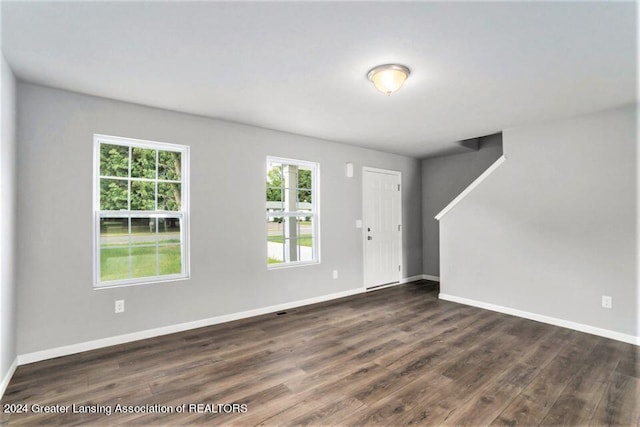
(382, 221)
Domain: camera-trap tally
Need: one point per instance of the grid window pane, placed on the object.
(168, 230)
(143, 196)
(170, 259)
(274, 194)
(169, 165)
(275, 184)
(114, 232)
(144, 261)
(143, 163)
(305, 248)
(275, 229)
(304, 202)
(114, 263)
(303, 230)
(169, 196)
(143, 231)
(114, 248)
(114, 194)
(143, 247)
(274, 206)
(304, 178)
(275, 240)
(114, 160)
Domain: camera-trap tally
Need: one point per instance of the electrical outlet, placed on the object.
(335, 274)
(120, 306)
(607, 301)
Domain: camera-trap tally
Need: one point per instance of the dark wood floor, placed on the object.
(397, 356)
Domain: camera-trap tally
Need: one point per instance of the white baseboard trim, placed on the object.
(7, 378)
(411, 279)
(171, 329)
(430, 277)
(545, 319)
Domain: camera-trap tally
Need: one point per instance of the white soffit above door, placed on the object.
(476, 68)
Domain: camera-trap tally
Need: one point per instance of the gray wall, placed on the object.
(443, 178)
(554, 228)
(7, 223)
(56, 303)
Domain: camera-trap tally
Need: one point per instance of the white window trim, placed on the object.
(315, 191)
(184, 215)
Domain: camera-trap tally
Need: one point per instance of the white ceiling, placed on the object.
(477, 68)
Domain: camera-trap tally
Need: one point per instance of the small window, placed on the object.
(292, 212)
(141, 211)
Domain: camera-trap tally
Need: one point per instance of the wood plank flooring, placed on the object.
(397, 356)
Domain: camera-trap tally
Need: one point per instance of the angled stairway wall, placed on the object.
(443, 178)
(553, 228)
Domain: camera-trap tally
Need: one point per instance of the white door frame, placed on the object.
(364, 231)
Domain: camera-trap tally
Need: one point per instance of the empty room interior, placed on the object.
(319, 213)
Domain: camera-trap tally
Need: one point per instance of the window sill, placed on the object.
(291, 265)
(142, 281)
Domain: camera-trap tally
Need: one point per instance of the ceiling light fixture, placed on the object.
(388, 78)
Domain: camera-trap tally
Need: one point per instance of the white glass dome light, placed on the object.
(388, 78)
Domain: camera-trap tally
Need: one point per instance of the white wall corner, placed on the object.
(495, 165)
(7, 378)
(430, 277)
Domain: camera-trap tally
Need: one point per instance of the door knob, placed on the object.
(369, 238)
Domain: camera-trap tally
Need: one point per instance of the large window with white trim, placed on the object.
(141, 211)
(292, 212)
